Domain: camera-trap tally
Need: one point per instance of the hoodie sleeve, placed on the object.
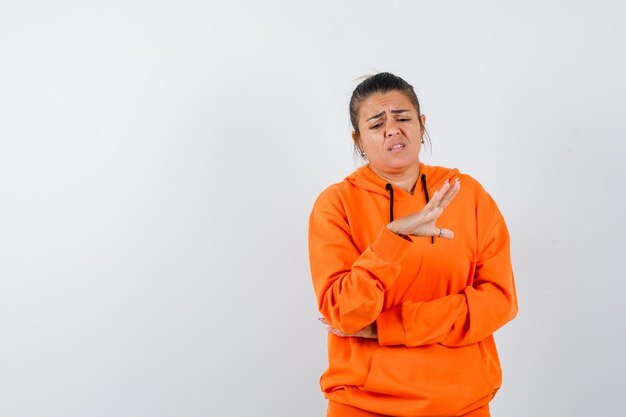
(350, 285)
(475, 313)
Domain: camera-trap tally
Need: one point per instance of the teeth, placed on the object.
(398, 145)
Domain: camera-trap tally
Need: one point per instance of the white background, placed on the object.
(159, 159)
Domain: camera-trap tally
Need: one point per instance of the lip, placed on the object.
(396, 146)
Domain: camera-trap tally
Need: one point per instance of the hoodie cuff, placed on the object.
(389, 246)
(390, 328)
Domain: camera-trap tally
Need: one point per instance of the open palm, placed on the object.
(423, 222)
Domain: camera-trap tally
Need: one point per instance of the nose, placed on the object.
(392, 130)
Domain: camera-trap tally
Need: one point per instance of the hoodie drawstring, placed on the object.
(389, 188)
(425, 188)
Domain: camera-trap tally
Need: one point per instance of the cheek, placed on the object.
(414, 131)
(371, 142)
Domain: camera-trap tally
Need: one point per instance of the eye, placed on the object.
(404, 119)
(376, 126)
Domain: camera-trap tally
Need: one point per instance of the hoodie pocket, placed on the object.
(446, 379)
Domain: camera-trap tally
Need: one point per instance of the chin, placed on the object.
(403, 163)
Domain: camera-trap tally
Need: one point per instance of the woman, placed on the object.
(412, 284)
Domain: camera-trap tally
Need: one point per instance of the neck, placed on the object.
(404, 180)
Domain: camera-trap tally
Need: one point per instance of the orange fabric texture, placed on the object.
(336, 409)
(436, 305)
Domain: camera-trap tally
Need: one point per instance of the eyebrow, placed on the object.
(392, 111)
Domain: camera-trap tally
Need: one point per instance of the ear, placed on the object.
(353, 135)
(423, 117)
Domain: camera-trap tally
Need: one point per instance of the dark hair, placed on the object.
(382, 82)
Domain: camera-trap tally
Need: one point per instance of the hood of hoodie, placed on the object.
(366, 179)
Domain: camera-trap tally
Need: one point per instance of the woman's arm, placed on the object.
(479, 309)
(350, 286)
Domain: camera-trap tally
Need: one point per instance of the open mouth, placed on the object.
(397, 146)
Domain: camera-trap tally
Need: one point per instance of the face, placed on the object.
(389, 132)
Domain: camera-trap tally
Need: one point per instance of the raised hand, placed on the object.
(422, 223)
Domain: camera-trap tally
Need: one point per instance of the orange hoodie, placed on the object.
(436, 302)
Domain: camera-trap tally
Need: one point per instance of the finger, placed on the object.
(336, 332)
(438, 195)
(430, 216)
(323, 320)
(445, 233)
(452, 191)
